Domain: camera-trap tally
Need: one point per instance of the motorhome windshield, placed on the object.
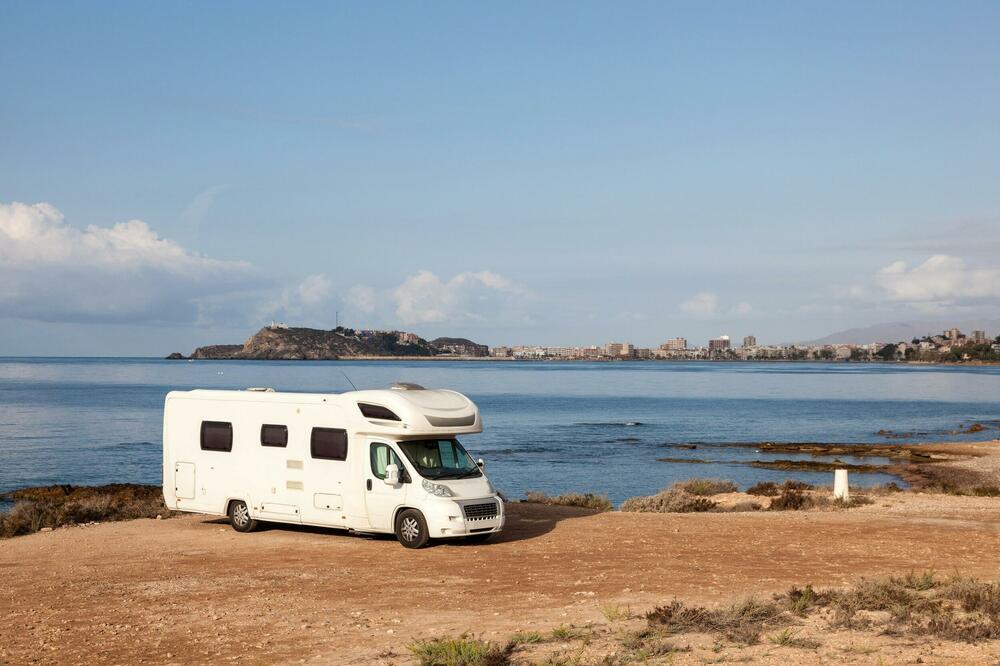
(440, 459)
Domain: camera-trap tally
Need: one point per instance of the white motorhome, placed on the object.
(367, 461)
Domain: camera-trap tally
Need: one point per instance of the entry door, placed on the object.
(381, 499)
(184, 480)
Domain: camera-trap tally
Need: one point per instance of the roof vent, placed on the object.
(261, 389)
(407, 386)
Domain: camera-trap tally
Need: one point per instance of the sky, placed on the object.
(563, 173)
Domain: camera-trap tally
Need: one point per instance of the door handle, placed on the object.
(369, 484)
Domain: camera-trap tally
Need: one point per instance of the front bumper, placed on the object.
(463, 517)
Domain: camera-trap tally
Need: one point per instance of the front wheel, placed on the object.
(239, 517)
(411, 529)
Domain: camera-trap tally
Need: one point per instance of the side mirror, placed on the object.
(391, 474)
(481, 463)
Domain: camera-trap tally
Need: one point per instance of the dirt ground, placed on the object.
(191, 590)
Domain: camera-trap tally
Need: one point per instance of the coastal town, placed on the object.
(279, 341)
(949, 345)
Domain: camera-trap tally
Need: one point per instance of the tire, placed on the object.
(411, 529)
(239, 517)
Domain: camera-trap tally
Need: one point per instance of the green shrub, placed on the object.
(582, 500)
(791, 500)
(668, 501)
(764, 489)
(706, 487)
(461, 651)
(54, 506)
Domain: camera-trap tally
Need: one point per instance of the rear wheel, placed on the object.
(239, 517)
(411, 529)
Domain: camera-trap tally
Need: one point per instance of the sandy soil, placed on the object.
(191, 590)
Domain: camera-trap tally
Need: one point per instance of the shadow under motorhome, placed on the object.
(379, 461)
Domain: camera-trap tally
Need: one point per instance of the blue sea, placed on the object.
(554, 427)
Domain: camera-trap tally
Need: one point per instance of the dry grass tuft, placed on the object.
(948, 479)
(742, 622)
(792, 499)
(963, 609)
(582, 500)
(616, 612)
(706, 487)
(772, 489)
(54, 506)
(461, 651)
(690, 496)
(668, 501)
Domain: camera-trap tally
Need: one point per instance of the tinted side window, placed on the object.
(328, 443)
(216, 436)
(273, 435)
(377, 412)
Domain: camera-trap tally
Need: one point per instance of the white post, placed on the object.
(840, 489)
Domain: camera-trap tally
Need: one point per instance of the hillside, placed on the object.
(313, 344)
(901, 331)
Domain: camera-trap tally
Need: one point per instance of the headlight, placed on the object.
(437, 489)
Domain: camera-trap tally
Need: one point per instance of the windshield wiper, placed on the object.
(469, 474)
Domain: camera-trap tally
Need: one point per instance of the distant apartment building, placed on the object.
(674, 344)
(953, 334)
(750, 341)
(979, 337)
(406, 338)
(718, 344)
(620, 349)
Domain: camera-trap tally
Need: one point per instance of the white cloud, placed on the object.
(52, 271)
(741, 309)
(362, 298)
(195, 211)
(483, 296)
(311, 301)
(314, 290)
(705, 305)
(939, 280)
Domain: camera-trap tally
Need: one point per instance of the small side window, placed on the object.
(328, 443)
(273, 435)
(371, 411)
(216, 436)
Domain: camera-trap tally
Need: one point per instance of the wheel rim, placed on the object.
(241, 516)
(410, 529)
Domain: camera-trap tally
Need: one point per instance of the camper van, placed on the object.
(379, 461)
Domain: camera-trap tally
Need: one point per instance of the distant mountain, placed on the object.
(905, 331)
(279, 343)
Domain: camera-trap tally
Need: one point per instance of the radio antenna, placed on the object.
(349, 380)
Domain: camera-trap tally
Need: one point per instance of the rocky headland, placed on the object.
(292, 343)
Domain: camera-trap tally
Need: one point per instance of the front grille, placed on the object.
(481, 511)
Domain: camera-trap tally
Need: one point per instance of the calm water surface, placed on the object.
(549, 426)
